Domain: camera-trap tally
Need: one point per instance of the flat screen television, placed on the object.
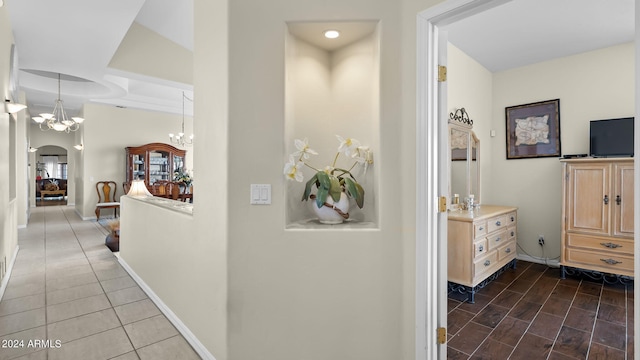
(611, 137)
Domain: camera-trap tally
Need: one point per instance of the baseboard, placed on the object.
(543, 261)
(180, 326)
(7, 275)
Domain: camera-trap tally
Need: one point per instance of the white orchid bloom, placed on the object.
(303, 148)
(292, 170)
(348, 147)
(362, 155)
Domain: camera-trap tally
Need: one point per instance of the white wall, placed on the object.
(311, 294)
(591, 86)
(8, 206)
(106, 132)
(470, 86)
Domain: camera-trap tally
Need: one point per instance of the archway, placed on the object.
(51, 174)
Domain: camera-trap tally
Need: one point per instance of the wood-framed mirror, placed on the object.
(464, 164)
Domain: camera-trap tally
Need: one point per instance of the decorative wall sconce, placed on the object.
(12, 107)
(79, 146)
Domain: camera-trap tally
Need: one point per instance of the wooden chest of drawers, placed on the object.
(480, 242)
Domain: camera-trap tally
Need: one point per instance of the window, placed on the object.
(62, 170)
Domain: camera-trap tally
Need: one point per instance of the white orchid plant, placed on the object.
(332, 180)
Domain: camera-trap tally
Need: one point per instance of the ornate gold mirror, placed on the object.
(464, 179)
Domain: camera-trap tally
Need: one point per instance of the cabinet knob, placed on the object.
(513, 233)
(618, 199)
(480, 248)
(498, 223)
(481, 228)
(507, 250)
(487, 263)
(513, 219)
(606, 199)
(498, 239)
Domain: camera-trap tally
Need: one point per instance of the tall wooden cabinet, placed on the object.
(153, 162)
(597, 215)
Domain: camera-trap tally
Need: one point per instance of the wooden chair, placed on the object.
(107, 197)
(174, 190)
(160, 188)
(126, 186)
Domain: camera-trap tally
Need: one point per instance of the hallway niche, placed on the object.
(332, 87)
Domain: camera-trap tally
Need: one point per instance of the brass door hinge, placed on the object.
(442, 204)
(442, 73)
(442, 335)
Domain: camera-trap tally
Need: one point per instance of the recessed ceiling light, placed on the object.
(331, 34)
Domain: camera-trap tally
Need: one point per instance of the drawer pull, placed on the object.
(487, 263)
(498, 239)
(513, 218)
(513, 233)
(498, 223)
(610, 245)
(480, 248)
(507, 250)
(606, 199)
(481, 228)
(611, 261)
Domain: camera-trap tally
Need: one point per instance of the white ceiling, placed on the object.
(524, 32)
(78, 39)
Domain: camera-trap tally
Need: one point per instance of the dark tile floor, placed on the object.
(530, 313)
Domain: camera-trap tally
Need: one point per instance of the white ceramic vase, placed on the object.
(327, 215)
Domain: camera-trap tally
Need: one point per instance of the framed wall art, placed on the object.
(533, 130)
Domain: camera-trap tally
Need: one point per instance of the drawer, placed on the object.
(603, 260)
(496, 240)
(497, 223)
(600, 244)
(511, 233)
(480, 248)
(507, 251)
(485, 264)
(479, 229)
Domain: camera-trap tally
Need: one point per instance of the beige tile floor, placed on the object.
(68, 288)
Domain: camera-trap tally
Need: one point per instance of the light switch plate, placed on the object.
(260, 194)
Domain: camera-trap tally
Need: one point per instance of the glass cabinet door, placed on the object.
(178, 163)
(159, 167)
(138, 167)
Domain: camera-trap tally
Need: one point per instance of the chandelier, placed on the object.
(181, 139)
(57, 119)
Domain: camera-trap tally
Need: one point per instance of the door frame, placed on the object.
(432, 176)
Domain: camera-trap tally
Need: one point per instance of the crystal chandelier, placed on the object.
(57, 119)
(181, 139)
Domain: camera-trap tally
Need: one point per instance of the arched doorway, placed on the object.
(51, 176)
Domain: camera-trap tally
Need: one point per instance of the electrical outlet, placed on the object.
(541, 240)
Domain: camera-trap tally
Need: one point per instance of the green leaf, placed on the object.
(323, 178)
(335, 190)
(355, 191)
(307, 188)
(323, 188)
(360, 198)
(321, 196)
